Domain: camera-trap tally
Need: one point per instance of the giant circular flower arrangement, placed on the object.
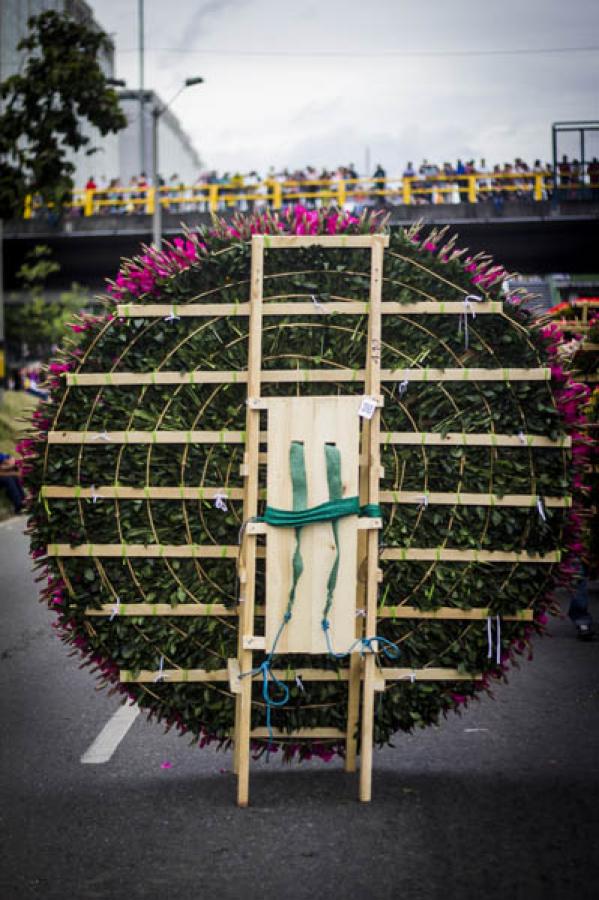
(213, 266)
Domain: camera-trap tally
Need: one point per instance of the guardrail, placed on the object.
(357, 192)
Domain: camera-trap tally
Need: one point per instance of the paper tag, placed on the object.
(318, 305)
(220, 502)
(367, 407)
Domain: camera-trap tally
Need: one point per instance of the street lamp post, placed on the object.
(157, 111)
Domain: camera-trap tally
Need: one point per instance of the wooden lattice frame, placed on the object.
(371, 375)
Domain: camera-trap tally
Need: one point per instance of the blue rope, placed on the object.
(388, 648)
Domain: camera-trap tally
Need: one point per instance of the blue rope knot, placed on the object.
(325, 625)
(388, 648)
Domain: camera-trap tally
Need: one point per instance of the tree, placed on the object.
(36, 325)
(44, 107)
(43, 111)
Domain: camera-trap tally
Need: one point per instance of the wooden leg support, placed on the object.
(242, 743)
(353, 712)
(366, 738)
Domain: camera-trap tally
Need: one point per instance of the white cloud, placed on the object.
(254, 111)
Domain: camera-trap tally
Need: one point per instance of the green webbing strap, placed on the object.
(299, 486)
(333, 460)
(324, 512)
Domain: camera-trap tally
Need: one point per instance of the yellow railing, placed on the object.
(275, 194)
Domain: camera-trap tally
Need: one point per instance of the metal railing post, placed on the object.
(213, 197)
(88, 206)
(472, 189)
(538, 187)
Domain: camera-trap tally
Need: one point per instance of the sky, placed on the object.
(330, 82)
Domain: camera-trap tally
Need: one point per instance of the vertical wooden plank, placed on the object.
(243, 706)
(372, 436)
(313, 421)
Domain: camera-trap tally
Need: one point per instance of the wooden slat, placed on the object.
(448, 554)
(146, 551)
(450, 612)
(178, 676)
(433, 307)
(243, 700)
(190, 610)
(371, 453)
(181, 610)
(314, 734)
(302, 308)
(303, 376)
(146, 437)
(116, 492)
(453, 498)
(570, 325)
(163, 310)
(460, 439)
(120, 379)
(345, 241)
(432, 674)
(364, 523)
(466, 374)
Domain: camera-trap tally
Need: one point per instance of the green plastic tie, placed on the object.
(466, 374)
(107, 378)
(73, 379)
(153, 377)
(506, 375)
(154, 437)
(44, 500)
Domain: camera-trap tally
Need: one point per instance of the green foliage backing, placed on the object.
(220, 343)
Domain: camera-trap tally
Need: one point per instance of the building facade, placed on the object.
(117, 155)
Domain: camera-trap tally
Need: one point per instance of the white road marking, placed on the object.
(111, 735)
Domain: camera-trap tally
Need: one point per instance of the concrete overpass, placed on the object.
(531, 237)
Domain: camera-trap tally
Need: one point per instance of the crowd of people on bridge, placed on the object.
(466, 181)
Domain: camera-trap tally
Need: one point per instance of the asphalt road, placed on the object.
(501, 802)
